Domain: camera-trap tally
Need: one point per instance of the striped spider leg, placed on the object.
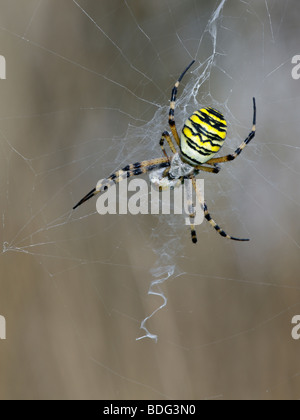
(128, 171)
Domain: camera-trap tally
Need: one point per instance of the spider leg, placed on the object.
(209, 218)
(172, 105)
(166, 136)
(191, 210)
(241, 147)
(214, 169)
(128, 171)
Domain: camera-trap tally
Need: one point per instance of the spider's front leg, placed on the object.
(134, 169)
(172, 105)
(235, 154)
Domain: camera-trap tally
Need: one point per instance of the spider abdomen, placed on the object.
(202, 136)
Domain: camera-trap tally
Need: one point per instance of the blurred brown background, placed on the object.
(83, 81)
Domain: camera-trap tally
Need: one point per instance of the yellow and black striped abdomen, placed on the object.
(202, 136)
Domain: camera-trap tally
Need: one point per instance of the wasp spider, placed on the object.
(202, 136)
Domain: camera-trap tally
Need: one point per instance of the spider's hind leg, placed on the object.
(191, 209)
(210, 219)
(217, 227)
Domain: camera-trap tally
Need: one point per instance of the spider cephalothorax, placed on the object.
(202, 136)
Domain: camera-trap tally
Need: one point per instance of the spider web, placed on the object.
(87, 92)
